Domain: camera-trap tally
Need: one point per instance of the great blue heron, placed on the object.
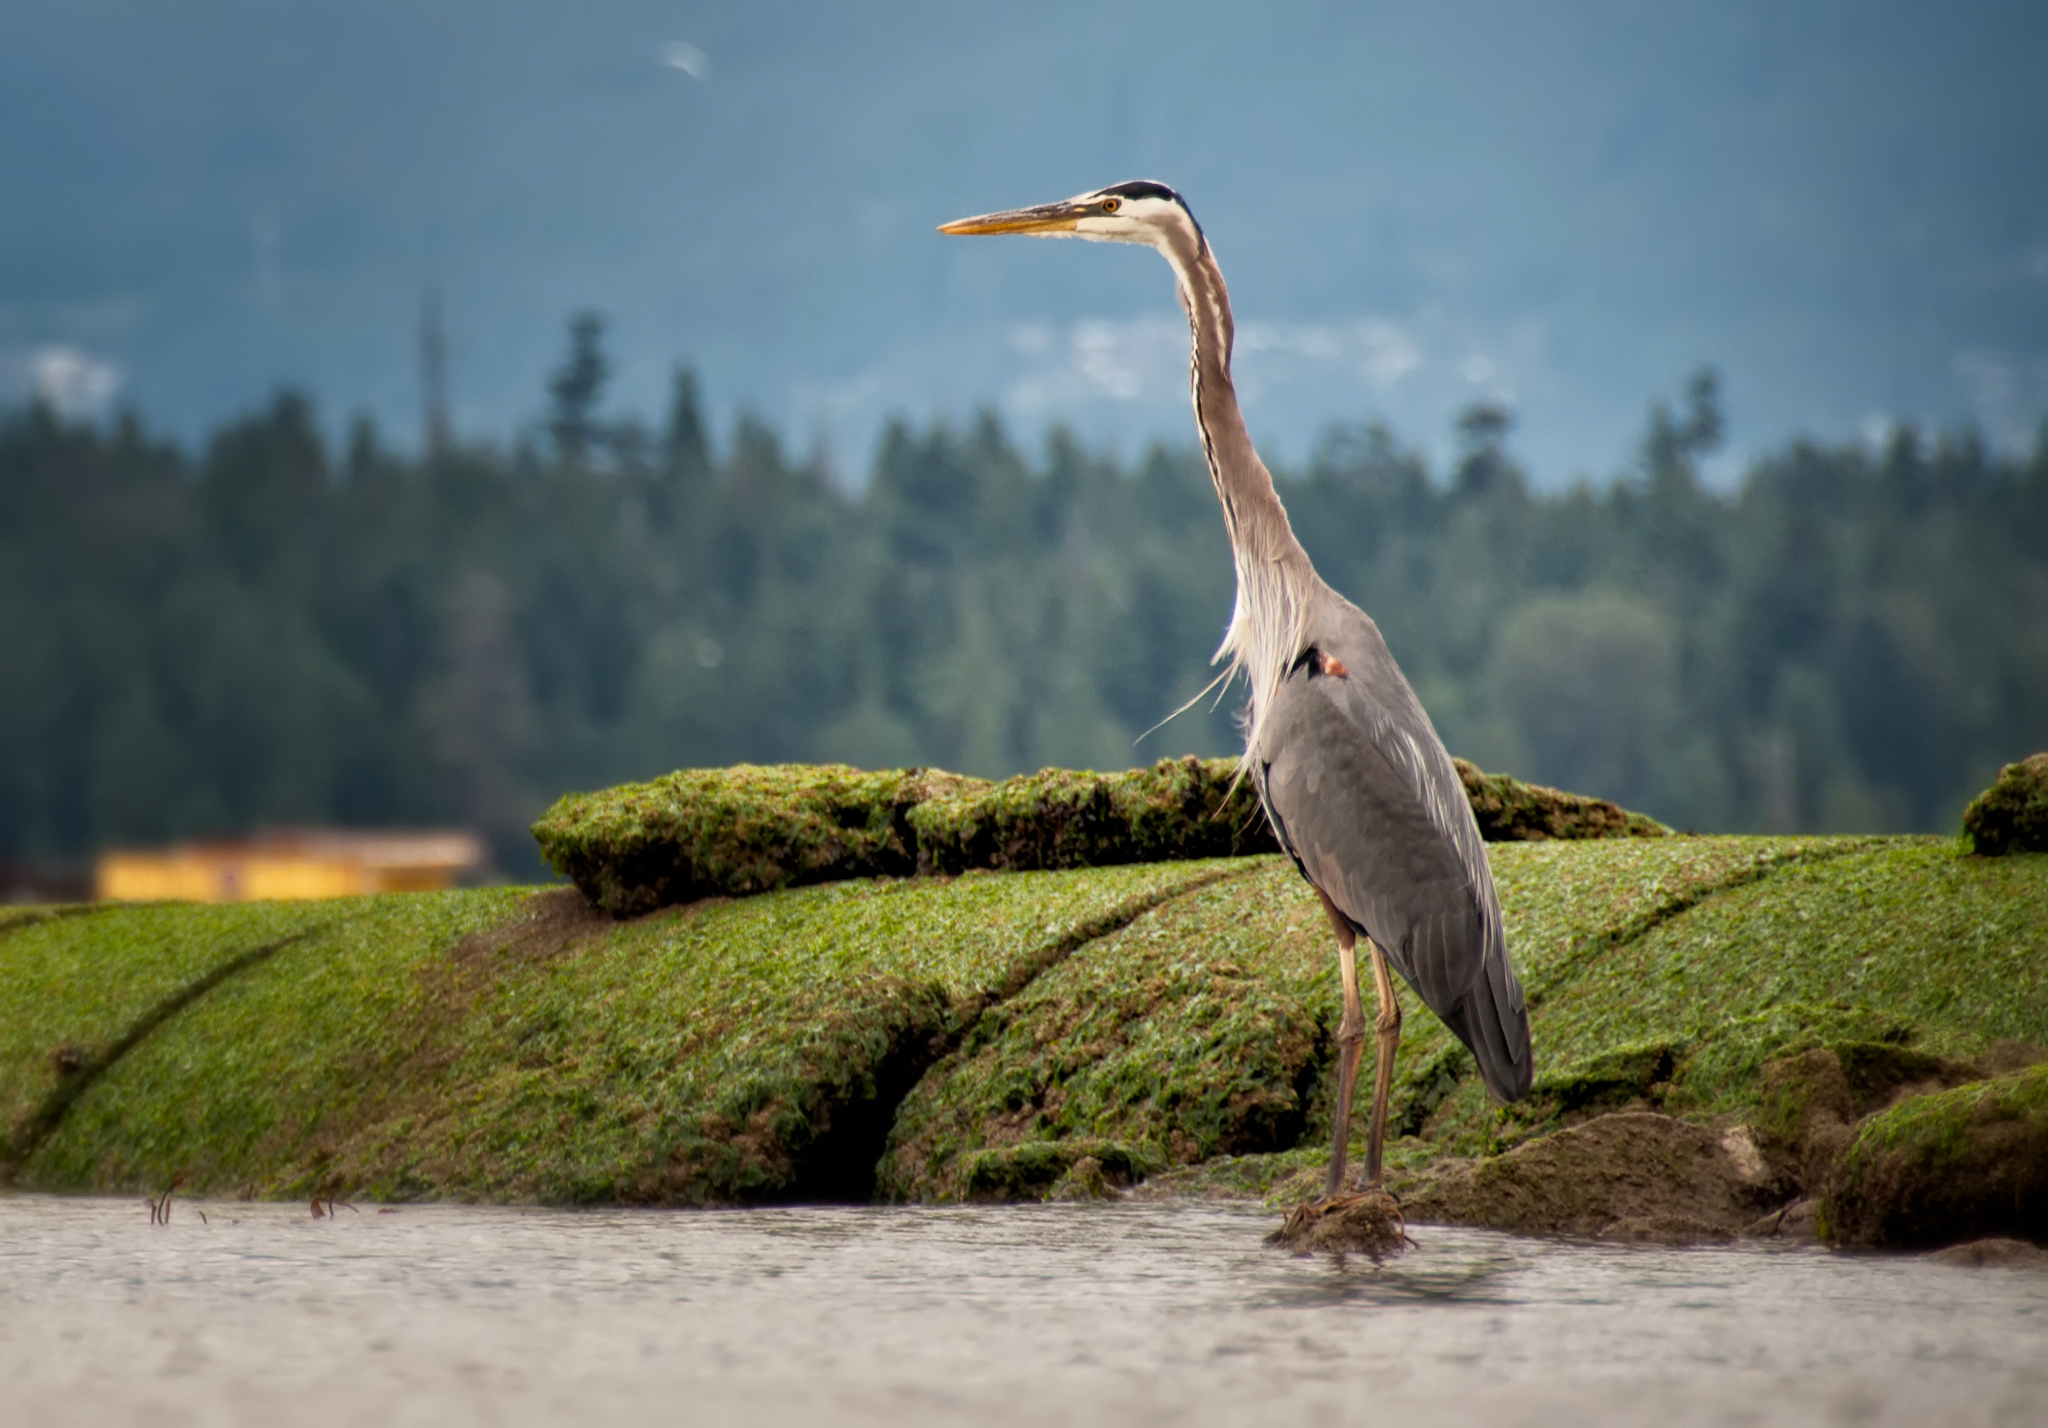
(1351, 772)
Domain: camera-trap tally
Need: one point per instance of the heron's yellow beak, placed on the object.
(1045, 218)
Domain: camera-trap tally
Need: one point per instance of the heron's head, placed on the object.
(1139, 211)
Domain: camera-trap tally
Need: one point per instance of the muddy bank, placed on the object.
(1861, 1144)
(1629, 1175)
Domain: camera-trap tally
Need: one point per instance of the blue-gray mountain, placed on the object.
(1843, 205)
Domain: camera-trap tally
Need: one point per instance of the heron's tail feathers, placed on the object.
(1493, 1020)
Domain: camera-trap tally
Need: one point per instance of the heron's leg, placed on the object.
(1388, 1024)
(1350, 1041)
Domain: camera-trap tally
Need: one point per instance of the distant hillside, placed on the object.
(270, 632)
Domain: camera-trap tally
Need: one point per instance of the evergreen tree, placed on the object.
(577, 388)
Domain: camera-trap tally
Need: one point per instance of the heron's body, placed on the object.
(1363, 795)
(1351, 773)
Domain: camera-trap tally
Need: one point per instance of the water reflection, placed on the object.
(1082, 1314)
(1434, 1268)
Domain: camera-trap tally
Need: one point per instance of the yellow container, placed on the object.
(289, 864)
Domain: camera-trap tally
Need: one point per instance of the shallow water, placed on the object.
(1127, 1314)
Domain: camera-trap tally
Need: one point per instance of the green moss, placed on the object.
(698, 1057)
(1724, 1065)
(1615, 1079)
(1196, 1031)
(1931, 1131)
(1055, 1169)
(2011, 816)
(248, 1074)
(737, 831)
(1510, 811)
(705, 1058)
(1567, 912)
(1898, 929)
(1814, 943)
(1949, 1167)
(746, 830)
(1724, 1068)
(1734, 951)
(1569, 907)
(74, 985)
(1057, 818)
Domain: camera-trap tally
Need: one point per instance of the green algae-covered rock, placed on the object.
(744, 830)
(1809, 1105)
(737, 831)
(1947, 1168)
(1201, 1029)
(1008, 1035)
(148, 1041)
(505, 1046)
(1058, 818)
(1510, 811)
(2011, 816)
(1075, 1169)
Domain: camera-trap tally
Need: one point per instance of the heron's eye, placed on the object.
(1111, 205)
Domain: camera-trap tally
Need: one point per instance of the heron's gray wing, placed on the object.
(1361, 792)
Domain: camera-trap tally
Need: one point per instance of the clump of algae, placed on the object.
(1510, 811)
(1368, 1224)
(2011, 816)
(1060, 818)
(738, 831)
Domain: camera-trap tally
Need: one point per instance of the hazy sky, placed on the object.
(1843, 206)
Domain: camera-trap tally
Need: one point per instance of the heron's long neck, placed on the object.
(1274, 576)
(1251, 508)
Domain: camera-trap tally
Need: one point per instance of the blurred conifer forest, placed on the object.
(275, 633)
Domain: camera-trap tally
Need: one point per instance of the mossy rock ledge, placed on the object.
(750, 829)
(1729, 1030)
(1869, 1143)
(735, 832)
(1965, 1164)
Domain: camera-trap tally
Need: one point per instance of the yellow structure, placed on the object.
(295, 863)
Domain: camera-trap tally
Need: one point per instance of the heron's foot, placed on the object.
(1367, 1223)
